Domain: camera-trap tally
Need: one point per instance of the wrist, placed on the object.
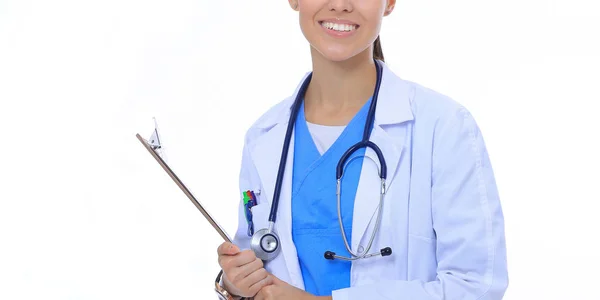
(225, 290)
(228, 286)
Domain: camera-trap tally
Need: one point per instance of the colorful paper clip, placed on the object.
(249, 202)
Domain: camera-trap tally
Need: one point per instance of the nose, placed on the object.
(340, 5)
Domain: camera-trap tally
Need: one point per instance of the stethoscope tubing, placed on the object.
(364, 143)
(273, 244)
(284, 153)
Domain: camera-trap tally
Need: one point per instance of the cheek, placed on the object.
(373, 15)
(306, 24)
(310, 29)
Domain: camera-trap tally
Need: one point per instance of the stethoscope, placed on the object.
(265, 242)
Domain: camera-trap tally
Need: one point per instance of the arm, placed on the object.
(467, 219)
(246, 271)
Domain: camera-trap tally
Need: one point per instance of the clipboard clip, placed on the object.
(154, 139)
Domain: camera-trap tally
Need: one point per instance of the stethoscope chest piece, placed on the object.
(265, 244)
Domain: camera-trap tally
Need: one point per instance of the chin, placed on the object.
(338, 57)
(337, 54)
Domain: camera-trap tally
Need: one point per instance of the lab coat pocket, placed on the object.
(421, 250)
(260, 216)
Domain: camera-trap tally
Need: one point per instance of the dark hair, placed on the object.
(377, 52)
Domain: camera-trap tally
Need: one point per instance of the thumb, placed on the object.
(232, 249)
(276, 281)
(228, 249)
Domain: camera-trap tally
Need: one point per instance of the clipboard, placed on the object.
(186, 191)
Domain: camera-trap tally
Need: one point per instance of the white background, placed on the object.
(86, 213)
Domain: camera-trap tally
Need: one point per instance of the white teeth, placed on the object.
(338, 27)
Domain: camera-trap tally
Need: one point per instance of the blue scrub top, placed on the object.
(315, 225)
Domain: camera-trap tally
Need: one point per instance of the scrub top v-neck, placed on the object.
(315, 225)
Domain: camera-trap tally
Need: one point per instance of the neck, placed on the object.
(341, 85)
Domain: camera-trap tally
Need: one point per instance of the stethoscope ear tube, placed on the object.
(371, 116)
(362, 144)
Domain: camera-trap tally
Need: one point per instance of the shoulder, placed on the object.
(265, 122)
(431, 106)
(425, 105)
(277, 114)
(443, 123)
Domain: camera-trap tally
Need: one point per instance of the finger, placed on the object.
(259, 296)
(237, 261)
(264, 280)
(227, 248)
(237, 274)
(221, 249)
(249, 283)
(263, 293)
(228, 256)
(251, 267)
(245, 257)
(254, 278)
(277, 281)
(243, 262)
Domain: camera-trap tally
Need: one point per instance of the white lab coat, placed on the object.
(441, 216)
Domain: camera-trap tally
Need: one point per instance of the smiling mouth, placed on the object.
(339, 27)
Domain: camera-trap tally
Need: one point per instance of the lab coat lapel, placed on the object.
(393, 109)
(369, 186)
(267, 154)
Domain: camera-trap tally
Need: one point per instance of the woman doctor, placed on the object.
(438, 231)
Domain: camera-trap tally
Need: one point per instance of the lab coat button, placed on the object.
(361, 249)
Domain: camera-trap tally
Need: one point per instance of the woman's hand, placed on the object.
(281, 290)
(243, 272)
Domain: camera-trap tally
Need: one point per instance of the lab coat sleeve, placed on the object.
(467, 219)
